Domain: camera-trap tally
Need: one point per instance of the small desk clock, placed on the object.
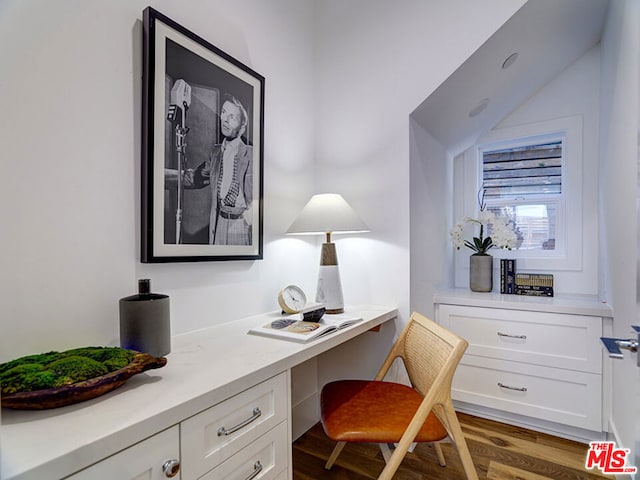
(292, 299)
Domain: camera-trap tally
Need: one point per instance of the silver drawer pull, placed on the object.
(171, 468)
(257, 468)
(223, 431)
(521, 337)
(518, 389)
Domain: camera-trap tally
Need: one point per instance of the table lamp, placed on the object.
(325, 214)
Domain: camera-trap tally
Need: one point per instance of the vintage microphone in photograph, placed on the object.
(325, 214)
(180, 101)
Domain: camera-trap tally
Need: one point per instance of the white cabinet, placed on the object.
(544, 365)
(220, 432)
(145, 460)
(244, 436)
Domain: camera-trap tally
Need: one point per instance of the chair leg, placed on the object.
(394, 461)
(386, 451)
(334, 455)
(439, 454)
(455, 432)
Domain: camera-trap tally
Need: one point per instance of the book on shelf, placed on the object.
(538, 284)
(535, 291)
(293, 328)
(507, 275)
(535, 279)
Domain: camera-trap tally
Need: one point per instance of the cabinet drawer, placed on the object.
(266, 458)
(557, 395)
(549, 339)
(212, 436)
(142, 460)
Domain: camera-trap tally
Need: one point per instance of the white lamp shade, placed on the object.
(327, 213)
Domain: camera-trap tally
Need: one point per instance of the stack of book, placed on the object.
(536, 284)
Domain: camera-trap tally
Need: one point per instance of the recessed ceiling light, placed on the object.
(482, 104)
(511, 59)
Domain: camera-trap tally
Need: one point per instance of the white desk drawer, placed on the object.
(243, 417)
(549, 339)
(143, 460)
(266, 458)
(557, 395)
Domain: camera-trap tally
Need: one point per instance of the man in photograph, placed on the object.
(229, 173)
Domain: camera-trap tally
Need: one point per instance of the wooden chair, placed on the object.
(385, 412)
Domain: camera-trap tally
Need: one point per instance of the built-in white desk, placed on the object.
(218, 366)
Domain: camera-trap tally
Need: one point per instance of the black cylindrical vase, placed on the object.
(145, 322)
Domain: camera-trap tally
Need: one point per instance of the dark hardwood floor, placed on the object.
(499, 452)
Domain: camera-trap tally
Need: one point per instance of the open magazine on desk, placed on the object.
(294, 329)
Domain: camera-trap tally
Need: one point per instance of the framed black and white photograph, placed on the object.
(202, 149)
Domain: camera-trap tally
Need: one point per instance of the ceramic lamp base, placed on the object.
(329, 291)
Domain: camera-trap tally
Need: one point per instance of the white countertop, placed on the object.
(561, 303)
(204, 368)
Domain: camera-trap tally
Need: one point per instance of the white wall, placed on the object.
(573, 93)
(70, 92)
(341, 81)
(377, 61)
(431, 192)
(618, 195)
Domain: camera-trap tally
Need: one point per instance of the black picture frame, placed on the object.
(202, 110)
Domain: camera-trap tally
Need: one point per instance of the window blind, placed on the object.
(523, 172)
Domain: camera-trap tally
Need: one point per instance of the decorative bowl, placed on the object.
(81, 391)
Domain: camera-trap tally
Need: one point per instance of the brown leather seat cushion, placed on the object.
(373, 411)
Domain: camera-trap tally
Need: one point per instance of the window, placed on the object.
(534, 175)
(524, 183)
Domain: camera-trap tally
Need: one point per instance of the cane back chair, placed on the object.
(391, 413)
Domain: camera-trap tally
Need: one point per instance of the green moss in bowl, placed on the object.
(56, 369)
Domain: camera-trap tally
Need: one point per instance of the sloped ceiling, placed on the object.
(548, 35)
